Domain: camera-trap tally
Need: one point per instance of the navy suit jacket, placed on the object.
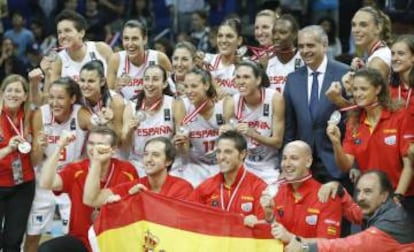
(299, 123)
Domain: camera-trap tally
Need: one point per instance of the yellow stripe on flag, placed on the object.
(133, 238)
(152, 222)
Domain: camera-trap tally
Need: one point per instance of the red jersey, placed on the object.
(371, 239)
(6, 172)
(383, 148)
(303, 214)
(173, 187)
(243, 196)
(73, 178)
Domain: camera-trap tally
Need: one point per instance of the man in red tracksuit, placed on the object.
(387, 226)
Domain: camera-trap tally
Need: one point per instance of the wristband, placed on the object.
(399, 196)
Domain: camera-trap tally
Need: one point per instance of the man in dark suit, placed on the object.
(307, 107)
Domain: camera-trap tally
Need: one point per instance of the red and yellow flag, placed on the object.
(151, 222)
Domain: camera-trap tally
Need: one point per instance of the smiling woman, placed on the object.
(61, 115)
(75, 52)
(222, 65)
(105, 105)
(126, 68)
(260, 114)
(153, 113)
(374, 134)
(17, 176)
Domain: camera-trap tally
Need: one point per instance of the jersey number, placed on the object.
(63, 155)
(209, 146)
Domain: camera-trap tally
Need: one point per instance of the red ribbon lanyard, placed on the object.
(241, 105)
(153, 106)
(128, 66)
(195, 112)
(233, 195)
(15, 129)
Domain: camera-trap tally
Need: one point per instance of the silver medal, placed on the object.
(241, 51)
(141, 115)
(24, 147)
(125, 78)
(184, 131)
(233, 122)
(95, 120)
(335, 117)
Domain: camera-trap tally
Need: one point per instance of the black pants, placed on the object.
(408, 204)
(65, 243)
(15, 205)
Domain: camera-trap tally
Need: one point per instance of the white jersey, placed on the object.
(73, 151)
(135, 72)
(383, 53)
(159, 124)
(43, 207)
(223, 75)
(71, 68)
(278, 71)
(202, 162)
(261, 160)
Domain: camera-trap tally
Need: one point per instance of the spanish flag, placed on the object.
(151, 222)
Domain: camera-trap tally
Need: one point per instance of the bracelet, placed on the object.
(303, 245)
(399, 196)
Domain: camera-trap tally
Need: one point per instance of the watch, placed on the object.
(303, 245)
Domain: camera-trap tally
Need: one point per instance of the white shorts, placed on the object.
(43, 210)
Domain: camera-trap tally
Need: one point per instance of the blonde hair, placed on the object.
(26, 107)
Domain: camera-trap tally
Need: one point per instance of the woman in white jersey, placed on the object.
(105, 106)
(371, 30)
(71, 28)
(196, 137)
(183, 60)
(287, 58)
(154, 113)
(126, 68)
(61, 113)
(221, 66)
(258, 113)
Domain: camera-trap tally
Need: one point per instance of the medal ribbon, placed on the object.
(233, 195)
(15, 129)
(241, 104)
(376, 46)
(195, 112)
(258, 52)
(153, 106)
(128, 66)
(408, 96)
(352, 107)
(109, 177)
(284, 181)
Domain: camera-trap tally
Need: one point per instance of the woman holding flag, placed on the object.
(196, 138)
(155, 113)
(258, 113)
